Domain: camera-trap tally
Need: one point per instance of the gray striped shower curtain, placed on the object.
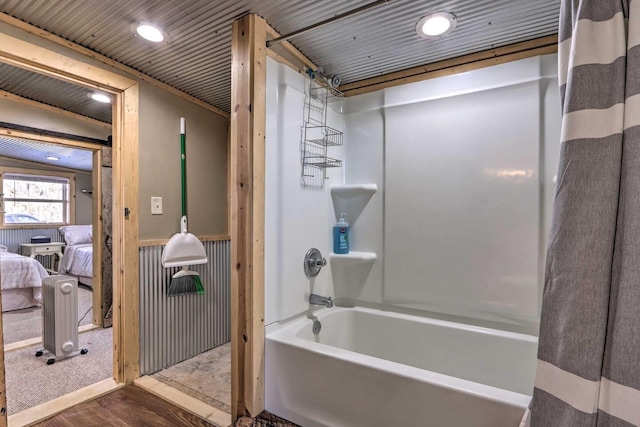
(588, 371)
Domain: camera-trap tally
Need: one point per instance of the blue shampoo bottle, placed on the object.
(341, 236)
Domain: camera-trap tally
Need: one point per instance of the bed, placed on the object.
(21, 281)
(77, 260)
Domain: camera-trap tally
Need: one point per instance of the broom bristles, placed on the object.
(185, 282)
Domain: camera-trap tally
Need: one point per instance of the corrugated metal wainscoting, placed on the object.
(12, 238)
(176, 328)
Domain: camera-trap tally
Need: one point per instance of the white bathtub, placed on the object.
(375, 368)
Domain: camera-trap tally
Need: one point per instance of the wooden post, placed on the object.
(96, 201)
(105, 175)
(3, 391)
(126, 366)
(248, 79)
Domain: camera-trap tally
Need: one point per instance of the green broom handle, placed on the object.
(183, 165)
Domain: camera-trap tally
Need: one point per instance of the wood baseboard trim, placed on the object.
(48, 409)
(89, 327)
(22, 344)
(38, 340)
(184, 401)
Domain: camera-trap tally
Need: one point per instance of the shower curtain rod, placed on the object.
(327, 21)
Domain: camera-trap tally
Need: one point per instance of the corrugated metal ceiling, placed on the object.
(197, 59)
(48, 90)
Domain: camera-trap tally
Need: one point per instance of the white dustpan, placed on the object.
(183, 249)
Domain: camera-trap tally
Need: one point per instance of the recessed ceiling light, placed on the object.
(52, 158)
(436, 25)
(100, 97)
(151, 32)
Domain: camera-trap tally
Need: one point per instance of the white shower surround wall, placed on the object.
(296, 218)
(465, 169)
(370, 368)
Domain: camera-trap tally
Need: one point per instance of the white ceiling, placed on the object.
(197, 59)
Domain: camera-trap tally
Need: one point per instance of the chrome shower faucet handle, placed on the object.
(313, 262)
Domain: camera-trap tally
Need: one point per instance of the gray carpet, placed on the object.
(30, 381)
(206, 377)
(23, 324)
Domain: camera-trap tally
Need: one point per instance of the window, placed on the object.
(36, 197)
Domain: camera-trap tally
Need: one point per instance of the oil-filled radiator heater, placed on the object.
(60, 318)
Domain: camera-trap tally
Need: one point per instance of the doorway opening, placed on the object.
(124, 157)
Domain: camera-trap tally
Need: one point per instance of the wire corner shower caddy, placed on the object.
(317, 136)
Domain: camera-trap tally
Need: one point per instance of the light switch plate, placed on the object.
(156, 206)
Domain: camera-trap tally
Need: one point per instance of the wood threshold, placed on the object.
(461, 64)
(38, 340)
(46, 410)
(184, 401)
(17, 23)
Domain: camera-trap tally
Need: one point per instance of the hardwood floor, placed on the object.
(129, 406)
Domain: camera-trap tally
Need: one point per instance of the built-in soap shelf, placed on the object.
(354, 189)
(353, 257)
(351, 199)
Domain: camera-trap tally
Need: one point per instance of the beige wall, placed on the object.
(84, 208)
(160, 159)
(160, 114)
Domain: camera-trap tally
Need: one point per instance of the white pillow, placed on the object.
(77, 234)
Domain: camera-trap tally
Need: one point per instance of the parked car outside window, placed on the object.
(20, 218)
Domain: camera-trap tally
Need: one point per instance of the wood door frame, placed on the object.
(125, 92)
(96, 212)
